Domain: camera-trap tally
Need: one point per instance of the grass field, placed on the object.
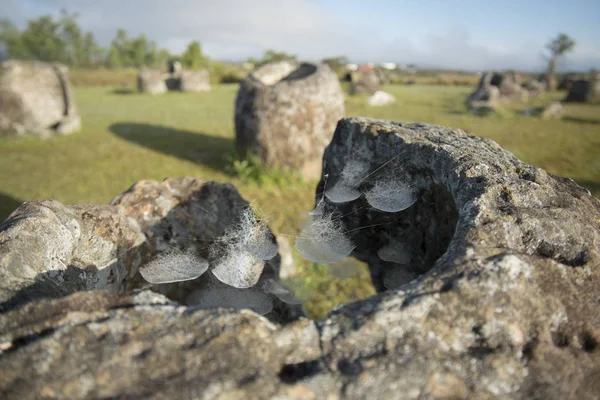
(128, 137)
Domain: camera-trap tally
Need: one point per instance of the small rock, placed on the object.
(380, 98)
(553, 110)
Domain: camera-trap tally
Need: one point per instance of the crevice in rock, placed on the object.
(560, 339)
(422, 232)
(292, 373)
(528, 350)
(29, 339)
(33, 337)
(349, 367)
(481, 348)
(589, 342)
(303, 71)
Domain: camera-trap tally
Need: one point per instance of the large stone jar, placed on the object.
(285, 114)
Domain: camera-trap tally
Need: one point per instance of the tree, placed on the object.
(114, 57)
(63, 40)
(11, 44)
(138, 50)
(43, 40)
(92, 53)
(557, 48)
(49, 40)
(192, 58)
(72, 37)
(151, 54)
(274, 56)
(119, 54)
(271, 56)
(162, 56)
(336, 61)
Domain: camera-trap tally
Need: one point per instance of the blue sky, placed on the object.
(464, 34)
(507, 22)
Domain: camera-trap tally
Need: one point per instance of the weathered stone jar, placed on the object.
(364, 82)
(583, 91)
(496, 294)
(195, 81)
(285, 114)
(494, 88)
(152, 81)
(36, 99)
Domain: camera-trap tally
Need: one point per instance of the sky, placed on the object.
(468, 34)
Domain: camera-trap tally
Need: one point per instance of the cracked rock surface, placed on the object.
(502, 299)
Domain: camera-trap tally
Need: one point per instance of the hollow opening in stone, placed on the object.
(271, 74)
(400, 246)
(496, 80)
(303, 71)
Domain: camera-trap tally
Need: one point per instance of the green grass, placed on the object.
(129, 137)
(88, 77)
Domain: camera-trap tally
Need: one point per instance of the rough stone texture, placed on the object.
(50, 250)
(507, 87)
(91, 247)
(505, 304)
(36, 99)
(102, 345)
(195, 81)
(150, 81)
(286, 114)
(364, 82)
(582, 91)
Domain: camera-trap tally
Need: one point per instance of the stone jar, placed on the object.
(285, 114)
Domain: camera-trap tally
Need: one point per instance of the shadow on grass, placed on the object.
(582, 120)
(8, 204)
(196, 147)
(592, 186)
(124, 91)
(455, 111)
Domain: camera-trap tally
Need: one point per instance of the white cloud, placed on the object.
(238, 29)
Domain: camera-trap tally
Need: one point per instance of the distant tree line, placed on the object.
(63, 40)
(272, 56)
